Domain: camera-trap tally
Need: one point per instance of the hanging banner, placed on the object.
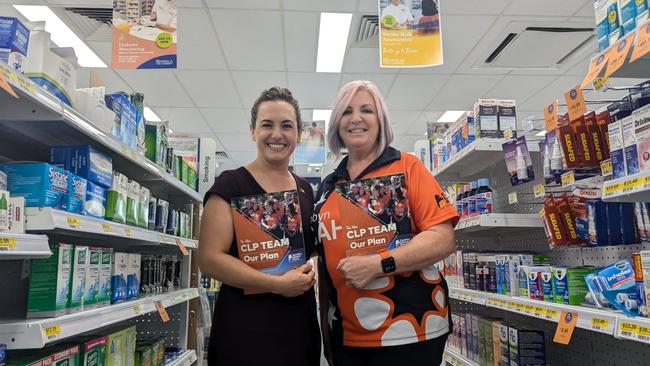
(144, 34)
(311, 148)
(410, 34)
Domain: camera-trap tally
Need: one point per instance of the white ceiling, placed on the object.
(229, 51)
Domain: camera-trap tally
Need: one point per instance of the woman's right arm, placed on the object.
(214, 259)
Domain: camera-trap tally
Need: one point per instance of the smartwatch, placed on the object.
(387, 262)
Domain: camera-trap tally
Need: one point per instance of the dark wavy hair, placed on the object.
(273, 94)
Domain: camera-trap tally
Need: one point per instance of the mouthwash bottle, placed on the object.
(471, 199)
(464, 200)
(483, 197)
(459, 202)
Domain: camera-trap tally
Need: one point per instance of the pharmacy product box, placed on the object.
(16, 215)
(91, 292)
(526, 346)
(3, 180)
(125, 124)
(507, 116)
(487, 341)
(62, 355)
(641, 11)
(132, 200)
(92, 350)
(496, 343)
(95, 203)
(133, 278)
(49, 283)
(487, 118)
(77, 188)
(4, 210)
(627, 8)
(616, 148)
(120, 346)
(42, 184)
(547, 285)
(116, 199)
(469, 339)
(613, 21)
(504, 344)
(51, 69)
(641, 120)
(14, 41)
(602, 27)
(84, 161)
(155, 140)
(462, 331)
(569, 285)
(162, 214)
(614, 227)
(105, 272)
(143, 207)
(629, 146)
(78, 278)
(475, 336)
(119, 276)
(143, 355)
(65, 355)
(645, 265)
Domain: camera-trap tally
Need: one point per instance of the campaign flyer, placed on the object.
(374, 214)
(268, 232)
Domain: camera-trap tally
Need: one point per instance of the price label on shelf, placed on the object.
(599, 324)
(568, 179)
(52, 332)
(7, 243)
(629, 185)
(182, 247)
(137, 309)
(108, 228)
(507, 134)
(550, 314)
(601, 83)
(162, 311)
(6, 86)
(628, 330)
(643, 334)
(512, 198)
(539, 311)
(606, 167)
(528, 309)
(73, 222)
(646, 182)
(565, 327)
(128, 231)
(539, 191)
(612, 189)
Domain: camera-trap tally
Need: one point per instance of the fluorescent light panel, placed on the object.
(62, 36)
(150, 115)
(450, 116)
(332, 41)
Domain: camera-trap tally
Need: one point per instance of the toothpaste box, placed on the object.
(105, 272)
(143, 207)
(547, 286)
(569, 285)
(627, 8)
(641, 121)
(132, 201)
(91, 292)
(526, 346)
(616, 148)
(602, 26)
(17, 215)
(95, 203)
(133, 278)
(507, 116)
(78, 280)
(116, 199)
(42, 184)
(84, 161)
(504, 344)
(629, 146)
(49, 283)
(14, 41)
(77, 187)
(469, 336)
(120, 273)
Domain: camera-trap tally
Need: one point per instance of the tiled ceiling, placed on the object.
(230, 50)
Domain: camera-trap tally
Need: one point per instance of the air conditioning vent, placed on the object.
(367, 32)
(500, 48)
(222, 155)
(102, 15)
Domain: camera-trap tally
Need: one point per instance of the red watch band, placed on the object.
(384, 254)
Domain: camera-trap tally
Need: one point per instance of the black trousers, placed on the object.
(427, 353)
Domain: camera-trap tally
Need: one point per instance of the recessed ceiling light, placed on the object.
(62, 36)
(450, 116)
(150, 115)
(332, 41)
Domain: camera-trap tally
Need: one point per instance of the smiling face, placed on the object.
(275, 132)
(359, 127)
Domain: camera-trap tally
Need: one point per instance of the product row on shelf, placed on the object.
(617, 18)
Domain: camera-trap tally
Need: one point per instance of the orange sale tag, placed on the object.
(618, 54)
(596, 66)
(5, 85)
(550, 116)
(565, 327)
(161, 310)
(642, 42)
(575, 103)
(182, 248)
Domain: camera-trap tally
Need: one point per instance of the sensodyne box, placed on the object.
(641, 118)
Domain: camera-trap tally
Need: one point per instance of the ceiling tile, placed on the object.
(198, 52)
(364, 60)
(519, 87)
(113, 82)
(314, 90)
(319, 5)
(368, 6)
(586, 10)
(406, 143)
(250, 84)
(160, 87)
(251, 39)
(213, 89)
(248, 4)
(229, 121)
(185, 120)
(414, 91)
(190, 4)
(419, 127)
(237, 142)
(546, 8)
(554, 90)
(473, 6)
(383, 81)
(401, 121)
(302, 46)
(461, 91)
(101, 49)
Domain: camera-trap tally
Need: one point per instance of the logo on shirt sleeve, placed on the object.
(442, 200)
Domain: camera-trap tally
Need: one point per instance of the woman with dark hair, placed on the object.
(430, 20)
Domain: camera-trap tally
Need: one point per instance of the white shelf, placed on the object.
(463, 294)
(503, 222)
(45, 219)
(475, 157)
(453, 358)
(23, 246)
(186, 359)
(596, 320)
(636, 329)
(32, 333)
(633, 188)
(38, 120)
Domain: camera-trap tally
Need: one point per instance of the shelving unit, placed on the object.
(500, 222)
(23, 246)
(635, 188)
(37, 333)
(455, 359)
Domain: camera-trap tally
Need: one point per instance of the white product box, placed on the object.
(105, 271)
(17, 215)
(119, 275)
(641, 121)
(133, 278)
(3, 180)
(616, 148)
(79, 269)
(91, 292)
(92, 108)
(630, 146)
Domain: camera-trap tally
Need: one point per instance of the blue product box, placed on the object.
(628, 15)
(77, 187)
(42, 184)
(628, 229)
(84, 161)
(95, 204)
(125, 120)
(617, 276)
(14, 41)
(547, 286)
(614, 223)
(597, 223)
(471, 129)
(616, 148)
(535, 284)
(641, 11)
(613, 21)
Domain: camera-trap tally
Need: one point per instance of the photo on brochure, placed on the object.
(375, 214)
(268, 231)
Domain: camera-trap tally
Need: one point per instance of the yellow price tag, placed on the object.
(630, 185)
(74, 222)
(606, 167)
(646, 182)
(628, 330)
(52, 331)
(612, 189)
(539, 191)
(600, 83)
(108, 228)
(7, 243)
(568, 179)
(508, 133)
(539, 311)
(137, 309)
(528, 309)
(128, 231)
(599, 324)
(512, 198)
(551, 314)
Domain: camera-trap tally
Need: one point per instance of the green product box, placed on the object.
(120, 346)
(105, 273)
(191, 180)
(93, 350)
(178, 167)
(541, 260)
(49, 283)
(116, 199)
(63, 355)
(132, 202)
(157, 347)
(91, 292)
(569, 286)
(143, 355)
(78, 278)
(486, 341)
(143, 207)
(155, 142)
(185, 172)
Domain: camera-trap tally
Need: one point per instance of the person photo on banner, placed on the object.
(392, 307)
(316, 137)
(279, 324)
(399, 11)
(163, 16)
(429, 22)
